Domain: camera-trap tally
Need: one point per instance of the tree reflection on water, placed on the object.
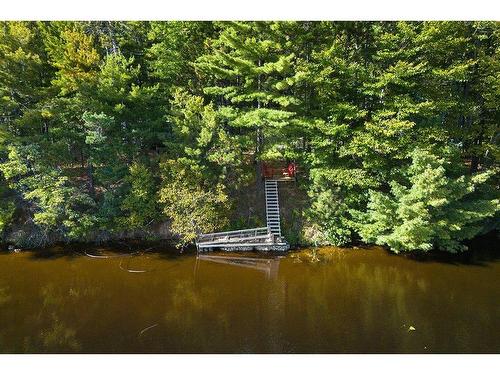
(328, 301)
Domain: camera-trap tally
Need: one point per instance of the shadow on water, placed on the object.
(161, 251)
(481, 252)
(111, 250)
(54, 253)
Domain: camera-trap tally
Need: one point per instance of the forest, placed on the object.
(110, 129)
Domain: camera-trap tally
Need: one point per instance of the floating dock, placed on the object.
(242, 240)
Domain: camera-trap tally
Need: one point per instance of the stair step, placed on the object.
(272, 207)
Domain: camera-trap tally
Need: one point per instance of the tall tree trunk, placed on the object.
(90, 175)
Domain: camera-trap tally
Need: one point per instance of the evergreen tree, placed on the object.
(199, 168)
(249, 74)
(107, 127)
(437, 206)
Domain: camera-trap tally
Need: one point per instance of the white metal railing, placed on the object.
(235, 234)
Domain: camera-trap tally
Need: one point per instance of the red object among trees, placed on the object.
(288, 171)
(292, 169)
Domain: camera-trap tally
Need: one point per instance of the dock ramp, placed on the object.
(262, 239)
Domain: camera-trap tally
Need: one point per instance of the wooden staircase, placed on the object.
(272, 207)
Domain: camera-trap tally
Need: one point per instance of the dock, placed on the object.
(262, 239)
(267, 238)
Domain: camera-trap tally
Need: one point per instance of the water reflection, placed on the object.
(4, 295)
(325, 301)
(269, 266)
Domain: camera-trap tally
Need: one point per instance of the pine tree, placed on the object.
(249, 74)
(436, 207)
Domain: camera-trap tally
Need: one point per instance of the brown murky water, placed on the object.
(334, 301)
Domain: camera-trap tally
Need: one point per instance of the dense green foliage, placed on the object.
(108, 128)
(438, 206)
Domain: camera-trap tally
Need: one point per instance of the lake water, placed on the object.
(331, 301)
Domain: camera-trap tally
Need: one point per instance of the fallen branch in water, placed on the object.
(147, 329)
(110, 256)
(133, 271)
